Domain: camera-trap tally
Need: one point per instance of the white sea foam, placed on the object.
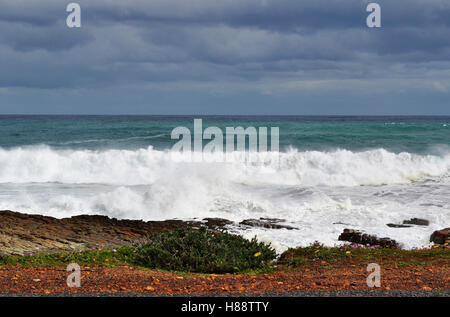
(311, 190)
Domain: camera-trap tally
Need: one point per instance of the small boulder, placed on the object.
(440, 236)
(416, 221)
(355, 236)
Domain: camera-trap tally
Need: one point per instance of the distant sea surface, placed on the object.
(333, 173)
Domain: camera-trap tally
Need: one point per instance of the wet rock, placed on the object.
(271, 223)
(440, 236)
(416, 221)
(393, 225)
(217, 223)
(355, 236)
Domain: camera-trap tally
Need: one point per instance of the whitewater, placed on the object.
(319, 192)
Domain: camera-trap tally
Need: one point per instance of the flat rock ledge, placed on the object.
(22, 233)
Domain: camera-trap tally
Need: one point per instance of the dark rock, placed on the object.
(416, 221)
(440, 236)
(393, 225)
(216, 223)
(355, 236)
(266, 223)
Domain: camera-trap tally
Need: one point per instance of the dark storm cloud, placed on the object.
(263, 45)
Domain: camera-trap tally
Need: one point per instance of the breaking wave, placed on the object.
(43, 164)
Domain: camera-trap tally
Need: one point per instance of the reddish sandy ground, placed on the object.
(49, 280)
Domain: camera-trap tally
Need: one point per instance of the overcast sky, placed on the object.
(225, 57)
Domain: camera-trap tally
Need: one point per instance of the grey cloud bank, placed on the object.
(225, 57)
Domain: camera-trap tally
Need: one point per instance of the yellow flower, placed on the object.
(257, 254)
(348, 252)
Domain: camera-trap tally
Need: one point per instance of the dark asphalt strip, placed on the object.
(337, 293)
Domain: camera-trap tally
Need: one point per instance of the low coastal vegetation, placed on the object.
(364, 254)
(205, 251)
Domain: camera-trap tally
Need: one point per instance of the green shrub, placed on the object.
(202, 251)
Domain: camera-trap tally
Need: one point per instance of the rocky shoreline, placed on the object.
(22, 234)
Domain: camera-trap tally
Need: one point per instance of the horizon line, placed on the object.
(228, 115)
